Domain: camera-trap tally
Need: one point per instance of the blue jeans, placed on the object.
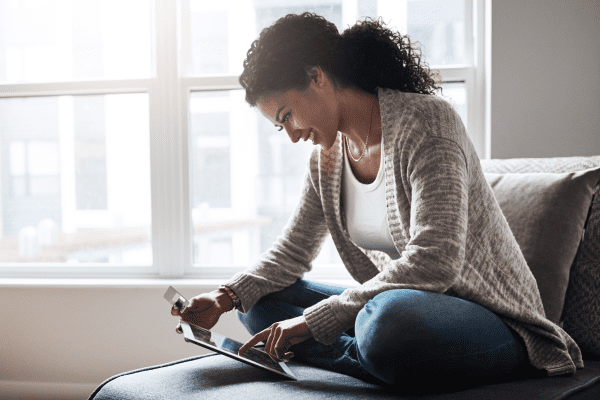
(404, 336)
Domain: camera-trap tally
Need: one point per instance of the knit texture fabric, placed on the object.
(444, 220)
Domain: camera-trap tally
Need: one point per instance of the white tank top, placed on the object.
(366, 211)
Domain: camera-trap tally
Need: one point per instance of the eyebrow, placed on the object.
(277, 114)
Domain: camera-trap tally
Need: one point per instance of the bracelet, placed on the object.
(237, 304)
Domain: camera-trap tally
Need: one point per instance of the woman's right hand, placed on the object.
(204, 310)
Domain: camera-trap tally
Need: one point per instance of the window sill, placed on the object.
(132, 283)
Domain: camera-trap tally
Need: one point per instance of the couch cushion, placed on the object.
(581, 311)
(218, 377)
(556, 165)
(547, 212)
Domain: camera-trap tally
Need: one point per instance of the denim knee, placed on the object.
(253, 320)
(246, 320)
(401, 332)
(387, 329)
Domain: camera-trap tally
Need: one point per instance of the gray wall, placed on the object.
(545, 78)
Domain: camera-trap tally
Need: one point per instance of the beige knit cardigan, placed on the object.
(444, 220)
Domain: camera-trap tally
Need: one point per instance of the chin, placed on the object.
(328, 146)
(317, 139)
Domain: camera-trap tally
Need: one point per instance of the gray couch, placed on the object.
(553, 208)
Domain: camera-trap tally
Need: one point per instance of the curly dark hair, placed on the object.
(365, 56)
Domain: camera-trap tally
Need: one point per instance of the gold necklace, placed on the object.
(367, 139)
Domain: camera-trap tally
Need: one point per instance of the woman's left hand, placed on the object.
(279, 337)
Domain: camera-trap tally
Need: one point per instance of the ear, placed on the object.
(316, 75)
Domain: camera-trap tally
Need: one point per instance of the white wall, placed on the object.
(545, 102)
(80, 336)
(545, 78)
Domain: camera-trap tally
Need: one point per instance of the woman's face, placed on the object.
(308, 114)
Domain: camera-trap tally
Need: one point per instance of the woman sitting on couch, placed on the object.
(395, 171)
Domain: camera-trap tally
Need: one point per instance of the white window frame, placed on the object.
(169, 98)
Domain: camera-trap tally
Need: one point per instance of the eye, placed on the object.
(285, 119)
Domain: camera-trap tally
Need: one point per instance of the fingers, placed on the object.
(200, 311)
(270, 343)
(198, 304)
(259, 337)
(276, 345)
(204, 319)
(193, 313)
(280, 347)
(175, 311)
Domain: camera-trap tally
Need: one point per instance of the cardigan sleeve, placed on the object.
(292, 253)
(436, 186)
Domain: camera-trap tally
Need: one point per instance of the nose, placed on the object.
(294, 134)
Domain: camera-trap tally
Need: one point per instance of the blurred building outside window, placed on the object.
(85, 90)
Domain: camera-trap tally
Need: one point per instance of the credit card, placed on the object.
(175, 298)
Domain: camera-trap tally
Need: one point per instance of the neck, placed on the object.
(356, 117)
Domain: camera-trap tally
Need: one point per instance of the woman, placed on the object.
(395, 172)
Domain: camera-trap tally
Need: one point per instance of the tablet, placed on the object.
(229, 347)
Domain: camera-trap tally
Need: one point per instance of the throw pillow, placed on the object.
(581, 312)
(547, 213)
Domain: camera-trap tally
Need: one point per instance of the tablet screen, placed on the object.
(230, 347)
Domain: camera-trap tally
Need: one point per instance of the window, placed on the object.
(128, 149)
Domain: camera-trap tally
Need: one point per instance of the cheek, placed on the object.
(321, 116)
(313, 117)
(328, 119)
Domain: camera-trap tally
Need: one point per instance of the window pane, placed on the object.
(75, 179)
(216, 36)
(17, 157)
(42, 157)
(439, 26)
(66, 40)
(246, 180)
(456, 94)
